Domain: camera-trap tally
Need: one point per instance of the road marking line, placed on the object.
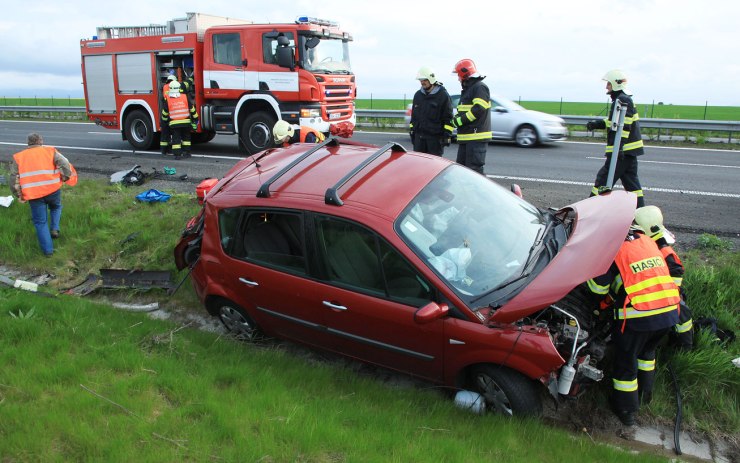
(212, 156)
(571, 182)
(676, 163)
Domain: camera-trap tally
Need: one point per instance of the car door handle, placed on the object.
(334, 306)
(248, 282)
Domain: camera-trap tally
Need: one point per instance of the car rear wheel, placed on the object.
(506, 391)
(236, 320)
(525, 136)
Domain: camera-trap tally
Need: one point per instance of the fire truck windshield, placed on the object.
(326, 56)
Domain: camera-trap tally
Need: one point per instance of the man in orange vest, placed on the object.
(181, 115)
(645, 300)
(39, 172)
(164, 126)
(285, 134)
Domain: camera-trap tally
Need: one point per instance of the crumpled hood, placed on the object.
(602, 222)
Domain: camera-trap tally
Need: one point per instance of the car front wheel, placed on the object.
(506, 391)
(237, 321)
(525, 136)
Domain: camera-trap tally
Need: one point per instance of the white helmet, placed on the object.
(281, 130)
(618, 79)
(171, 77)
(174, 89)
(426, 73)
(650, 220)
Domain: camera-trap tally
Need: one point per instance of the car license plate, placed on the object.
(335, 115)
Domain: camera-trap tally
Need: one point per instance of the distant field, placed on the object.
(719, 113)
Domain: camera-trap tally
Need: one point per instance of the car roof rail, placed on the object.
(331, 196)
(264, 191)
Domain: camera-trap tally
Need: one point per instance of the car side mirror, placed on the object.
(517, 190)
(430, 312)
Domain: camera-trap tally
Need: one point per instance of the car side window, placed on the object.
(356, 257)
(271, 238)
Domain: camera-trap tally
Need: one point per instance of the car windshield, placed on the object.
(329, 56)
(475, 234)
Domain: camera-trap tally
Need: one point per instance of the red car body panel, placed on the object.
(376, 329)
(595, 235)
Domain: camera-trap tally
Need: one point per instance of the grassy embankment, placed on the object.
(82, 382)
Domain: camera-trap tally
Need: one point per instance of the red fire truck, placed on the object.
(246, 76)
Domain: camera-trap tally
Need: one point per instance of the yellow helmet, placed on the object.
(426, 73)
(281, 130)
(618, 79)
(650, 220)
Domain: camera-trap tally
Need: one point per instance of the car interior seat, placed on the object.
(265, 238)
(351, 260)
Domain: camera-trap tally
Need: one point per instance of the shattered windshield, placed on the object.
(475, 234)
(326, 56)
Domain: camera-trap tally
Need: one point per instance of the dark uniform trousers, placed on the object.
(634, 348)
(472, 155)
(626, 171)
(431, 145)
(181, 139)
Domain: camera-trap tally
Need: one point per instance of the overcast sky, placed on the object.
(677, 52)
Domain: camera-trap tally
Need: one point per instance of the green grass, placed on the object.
(35, 101)
(83, 382)
(211, 392)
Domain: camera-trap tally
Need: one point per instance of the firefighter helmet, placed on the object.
(426, 73)
(649, 219)
(281, 130)
(465, 68)
(618, 79)
(171, 77)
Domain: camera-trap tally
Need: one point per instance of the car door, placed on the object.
(268, 272)
(227, 71)
(371, 296)
(501, 120)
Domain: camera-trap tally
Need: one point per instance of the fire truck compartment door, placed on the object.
(101, 97)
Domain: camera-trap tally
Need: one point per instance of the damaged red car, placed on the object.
(411, 262)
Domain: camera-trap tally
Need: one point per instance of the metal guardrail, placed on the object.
(678, 124)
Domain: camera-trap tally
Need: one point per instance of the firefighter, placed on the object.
(631, 144)
(650, 221)
(473, 120)
(431, 112)
(164, 137)
(645, 301)
(39, 172)
(188, 83)
(179, 112)
(286, 134)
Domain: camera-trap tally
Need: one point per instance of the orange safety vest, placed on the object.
(178, 106)
(668, 251)
(38, 175)
(306, 130)
(647, 281)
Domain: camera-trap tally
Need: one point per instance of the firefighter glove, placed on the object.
(456, 122)
(590, 125)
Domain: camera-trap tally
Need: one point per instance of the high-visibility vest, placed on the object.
(646, 279)
(38, 175)
(72, 180)
(668, 251)
(306, 130)
(178, 106)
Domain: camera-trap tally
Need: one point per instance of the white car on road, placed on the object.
(510, 121)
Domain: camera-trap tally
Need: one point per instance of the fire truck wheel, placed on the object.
(139, 130)
(256, 131)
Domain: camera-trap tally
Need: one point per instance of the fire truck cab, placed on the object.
(245, 77)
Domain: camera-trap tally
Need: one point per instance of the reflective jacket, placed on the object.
(646, 279)
(473, 120)
(631, 144)
(431, 113)
(305, 135)
(178, 110)
(38, 174)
